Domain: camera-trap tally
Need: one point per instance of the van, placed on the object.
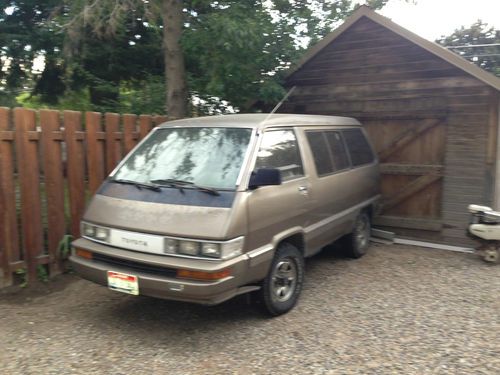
(204, 209)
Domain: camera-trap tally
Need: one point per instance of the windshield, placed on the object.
(210, 157)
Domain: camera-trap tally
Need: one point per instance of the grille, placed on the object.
(143, 267)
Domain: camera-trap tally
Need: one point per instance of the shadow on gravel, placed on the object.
(155, 317)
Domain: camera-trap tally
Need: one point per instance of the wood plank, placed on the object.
(409, 190)
(145, 125)
(404, 85)
(371, 67)
(6, 135)
(9, 238)
(406, 137)
(408, 222)
(29, 179)
(377, 106)
(54, 186)
(158, 120)
(76, 169)
(319, 79)
(129, 129)
(493, 117)
(411, 169)
(113, 146)
(95, 150)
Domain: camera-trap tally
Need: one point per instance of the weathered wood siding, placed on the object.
(394, 86)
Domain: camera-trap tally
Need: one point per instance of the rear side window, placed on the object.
(328, 151)
(359, 148)
(321, 155)
(279, 150)
(337, 148)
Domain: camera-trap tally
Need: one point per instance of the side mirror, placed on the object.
(264, 177)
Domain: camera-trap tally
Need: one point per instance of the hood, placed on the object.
(126, 207)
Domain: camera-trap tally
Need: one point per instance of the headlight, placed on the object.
(95, 232)
(215, 250)
(88, 230)
(210, 249)
(102, 234)
(171, 246)
(189, 248)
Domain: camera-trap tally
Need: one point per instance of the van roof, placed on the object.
(262, 120)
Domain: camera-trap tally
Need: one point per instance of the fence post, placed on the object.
(129, 132)
(76, 167)
(113, 147)
(29, 177)
(95, 150)
(9, 239)
(54, 185)
(159, 119)
(144, 125)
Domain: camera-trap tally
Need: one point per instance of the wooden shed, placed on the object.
(432, 116)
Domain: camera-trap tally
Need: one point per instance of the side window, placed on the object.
(359, 148)
(337, 148)
(279, 150)
(321, 155)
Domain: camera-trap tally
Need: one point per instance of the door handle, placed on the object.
(303, 190)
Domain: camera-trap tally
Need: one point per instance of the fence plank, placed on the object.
(113, 147)
(75, 168)
(129, 129)
(54, 186)
(144, 125)
(95, 151)
(29, 177)
(159, 119)
(9, 238)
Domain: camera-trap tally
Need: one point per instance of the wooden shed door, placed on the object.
(411, 154)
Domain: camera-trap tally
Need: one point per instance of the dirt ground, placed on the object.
(399, 309)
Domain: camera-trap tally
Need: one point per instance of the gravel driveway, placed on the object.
(400, 309)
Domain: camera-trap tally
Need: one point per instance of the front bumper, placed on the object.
(165, 286)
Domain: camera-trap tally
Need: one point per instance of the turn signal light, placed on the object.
(201, 275)
(83, 253)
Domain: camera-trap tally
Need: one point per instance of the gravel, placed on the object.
(399, 309)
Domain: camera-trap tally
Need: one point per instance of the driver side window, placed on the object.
(279, 150)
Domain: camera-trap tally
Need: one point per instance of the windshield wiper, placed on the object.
(180, 184)
(137, 184)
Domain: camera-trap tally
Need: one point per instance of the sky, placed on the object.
(432, 19)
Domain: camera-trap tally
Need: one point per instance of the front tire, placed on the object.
(282, 286)
(357, 243)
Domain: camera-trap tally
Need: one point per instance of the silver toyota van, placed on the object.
(208, 208)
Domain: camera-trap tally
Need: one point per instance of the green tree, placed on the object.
(485, 54)
(227, 49)
(25, 34)
(114, 53)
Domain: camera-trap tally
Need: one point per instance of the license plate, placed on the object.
(121, 282)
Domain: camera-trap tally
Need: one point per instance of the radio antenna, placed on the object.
(280, 103)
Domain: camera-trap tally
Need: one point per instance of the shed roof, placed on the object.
(434, 48)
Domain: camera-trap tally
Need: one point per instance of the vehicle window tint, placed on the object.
(321, 155)
(337, 148)
(359, 148)
(279, 150)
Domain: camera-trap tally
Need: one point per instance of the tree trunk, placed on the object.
(175, 71)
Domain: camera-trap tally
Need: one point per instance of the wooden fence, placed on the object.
(50, 163)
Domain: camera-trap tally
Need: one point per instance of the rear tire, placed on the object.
(356, 243)
(281, 287)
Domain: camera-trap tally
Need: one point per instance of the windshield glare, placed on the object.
(210, 157)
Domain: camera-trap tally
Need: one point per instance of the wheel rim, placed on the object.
(284, 279)
(362, 233)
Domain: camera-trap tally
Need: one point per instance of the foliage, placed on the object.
(487, 57)
(106, 55)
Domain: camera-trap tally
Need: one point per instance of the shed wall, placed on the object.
(394, 86)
